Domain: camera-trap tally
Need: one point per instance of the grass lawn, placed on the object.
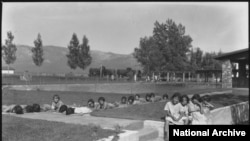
(154, 111)
(45, 97)
(14, 128)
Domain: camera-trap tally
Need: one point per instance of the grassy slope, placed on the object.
(154, 111)
(14, 128)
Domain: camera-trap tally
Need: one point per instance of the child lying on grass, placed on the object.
(165, 98)
(103, 105)
(122, 103)
(21, 109)
(139, 100)
(154, 98)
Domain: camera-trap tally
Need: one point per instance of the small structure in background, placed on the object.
(8, 70)
(235, 69)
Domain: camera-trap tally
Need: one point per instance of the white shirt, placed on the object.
(173, 109)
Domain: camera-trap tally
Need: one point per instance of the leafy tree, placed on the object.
(166, 50)
(149, 55)
(9, 50)
(79, 54)
(84, 57)
(73, 52)
(37, 51)
(195, 58)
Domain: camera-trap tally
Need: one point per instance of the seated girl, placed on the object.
(173, 110)
(205, 102)
(207, 107)
(173, 115)
(196, 110)
(56, 103)
(184, 100)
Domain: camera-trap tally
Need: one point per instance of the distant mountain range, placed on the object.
(56, 60)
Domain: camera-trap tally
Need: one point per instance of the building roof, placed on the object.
(6, 68)
(234, 55)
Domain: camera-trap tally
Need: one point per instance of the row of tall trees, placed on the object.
(78, 55)
(170, 49)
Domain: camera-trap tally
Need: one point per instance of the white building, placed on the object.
(6, 71)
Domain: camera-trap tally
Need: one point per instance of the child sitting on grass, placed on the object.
(56, 103)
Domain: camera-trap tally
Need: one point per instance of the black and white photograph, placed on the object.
(123, 71)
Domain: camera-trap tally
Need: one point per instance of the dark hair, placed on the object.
(29, 109)
(196, 96)
(137, 95)
(152, 94)
(36, 107)
(17, 109)
(176, 95)
(125, 98)
(70, 111)
(184, 96)
(63, 108)
(165, 96)
(131, 99)
(101, 98)
(206, 98)
(91, 100)
(147, 96)
(56, 96)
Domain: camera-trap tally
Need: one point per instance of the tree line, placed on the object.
(78, 55)
(168, 49)
(118, 73)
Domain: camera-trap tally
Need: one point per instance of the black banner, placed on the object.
(213, 132)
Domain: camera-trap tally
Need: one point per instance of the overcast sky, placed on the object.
(118, 27)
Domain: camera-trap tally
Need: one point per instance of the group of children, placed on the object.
(58, 106)
(181, 110)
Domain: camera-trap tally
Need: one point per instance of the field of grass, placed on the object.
(79, 98)
(20, 129)
(37, 80)
(154, 111)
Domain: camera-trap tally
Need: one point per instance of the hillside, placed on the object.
(56, 61)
